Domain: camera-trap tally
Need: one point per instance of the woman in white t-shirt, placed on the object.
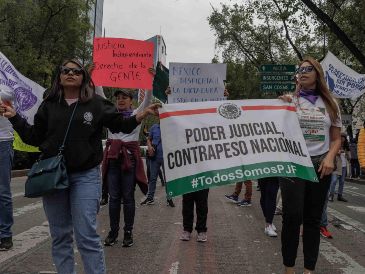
(303, 201)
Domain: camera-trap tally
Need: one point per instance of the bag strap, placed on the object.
(62, 147)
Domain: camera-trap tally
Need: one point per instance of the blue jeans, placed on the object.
(74, 210)
(155, 165)
(341, 183)
(6, 204)
(121, 185)
(324, 219)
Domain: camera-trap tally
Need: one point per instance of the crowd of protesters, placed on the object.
(304, 203)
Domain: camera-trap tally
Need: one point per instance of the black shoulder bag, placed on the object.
(48, 175)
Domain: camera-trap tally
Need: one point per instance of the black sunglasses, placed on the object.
(306, 69)
(76, 71)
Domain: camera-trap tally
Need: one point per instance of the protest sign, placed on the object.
(122, 63)
(342, 81)
(218, 143)
(26, 95)
(21, 92)
(195, 82)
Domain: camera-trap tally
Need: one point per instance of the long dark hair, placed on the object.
(87, 89)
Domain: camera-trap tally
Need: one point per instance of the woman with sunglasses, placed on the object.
(303, 201)
(74, 210)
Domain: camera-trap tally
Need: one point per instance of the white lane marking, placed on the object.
(18, 194)
(27, 208)
(347, 227)
(357, 208)
(335, 256)
(174, 268)
(346, 219)
(351, 187)
(26, 241)
(354, 193)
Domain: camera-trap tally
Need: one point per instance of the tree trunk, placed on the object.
(341, 35)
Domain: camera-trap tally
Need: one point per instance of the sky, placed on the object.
(182, 23)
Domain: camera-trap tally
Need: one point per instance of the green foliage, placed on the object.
(258, 32)
(36, 35)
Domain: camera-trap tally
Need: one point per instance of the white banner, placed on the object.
(196, 82)
(342, 81)
(27, 95)
(215, 143)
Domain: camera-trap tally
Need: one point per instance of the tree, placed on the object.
(283, 31)
(337, 30)
(36, 35)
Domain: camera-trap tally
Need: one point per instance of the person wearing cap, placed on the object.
(72, 212)
(6, 156)
(123, 167)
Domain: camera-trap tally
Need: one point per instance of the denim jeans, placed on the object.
(6, 204)
(121, 184)
(355, 168)
(160, 173)
(341, 179)
(155, 165)
(74, 210)
(324, 219)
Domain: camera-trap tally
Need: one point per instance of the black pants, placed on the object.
(269, 189)
(200, 198)
(355, 168)
(303, 202)
(121, 185)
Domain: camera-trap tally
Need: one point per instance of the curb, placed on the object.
(358, 181)
(19, 173)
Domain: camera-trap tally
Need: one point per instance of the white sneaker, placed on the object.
(269, 231)
(273, 227)
(185, 236)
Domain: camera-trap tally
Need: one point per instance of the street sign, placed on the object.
(277, 78)
(277, 87)
(277, 68)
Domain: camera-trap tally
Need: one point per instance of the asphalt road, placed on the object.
(236, 241)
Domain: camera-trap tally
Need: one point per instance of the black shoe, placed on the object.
(111, 239)
(170, 203)
(148, 201)
(6, 243)
(128, 239)
(330, 197)
(341, 199)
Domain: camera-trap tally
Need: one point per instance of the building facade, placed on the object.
(159, 49)
(96, 18)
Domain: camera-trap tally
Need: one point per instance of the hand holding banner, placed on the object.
(122, 63)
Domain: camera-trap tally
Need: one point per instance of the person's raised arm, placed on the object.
(30, 134)
(117, 123)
